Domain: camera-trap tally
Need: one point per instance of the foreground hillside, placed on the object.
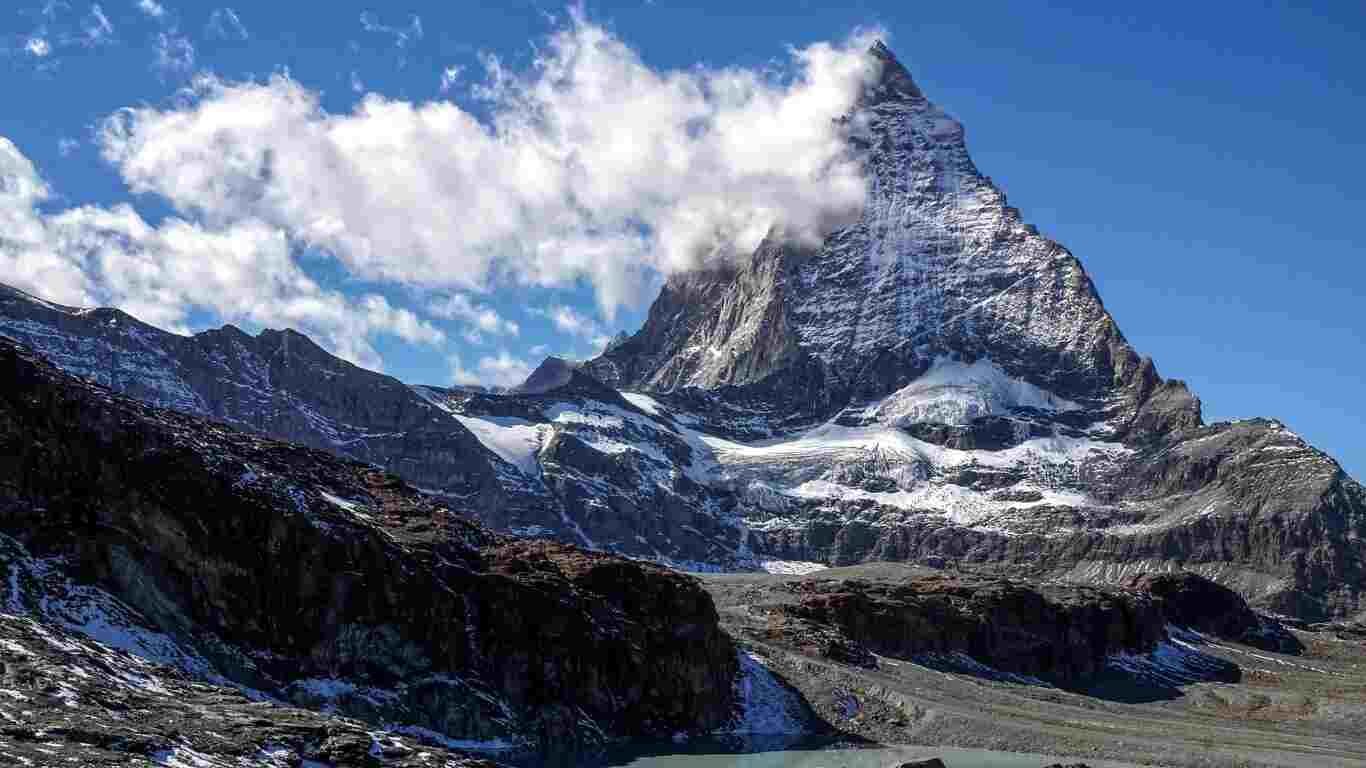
(158, 568)
(180, 592)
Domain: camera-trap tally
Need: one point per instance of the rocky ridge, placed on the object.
(1054, 633)
(278, 383)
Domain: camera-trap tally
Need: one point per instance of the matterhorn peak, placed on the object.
(895, 79)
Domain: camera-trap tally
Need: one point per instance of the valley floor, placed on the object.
(1305, 710)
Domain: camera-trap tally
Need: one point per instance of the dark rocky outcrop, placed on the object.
(286, 568)
(1058, 633)
(1068, 635)
(1203, 605)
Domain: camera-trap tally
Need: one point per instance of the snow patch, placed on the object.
(643, 402)
(790, 567)
(955, 393)
(467, 745)
(348, 505)
(516, 441)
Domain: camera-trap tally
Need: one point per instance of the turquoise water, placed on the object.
(857, 758)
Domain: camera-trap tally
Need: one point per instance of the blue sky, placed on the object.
(1206, 166)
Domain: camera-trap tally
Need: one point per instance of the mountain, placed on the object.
(177, 591)
(278, 383)
(157, 568)
(939, 266)
(936, 383)
(939, 379)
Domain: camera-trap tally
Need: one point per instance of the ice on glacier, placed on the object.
(953, 392)
(514, 440)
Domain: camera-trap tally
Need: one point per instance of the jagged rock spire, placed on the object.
(895, 80)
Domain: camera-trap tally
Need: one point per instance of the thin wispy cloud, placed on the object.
(481, 318)
(152, 8)
(449, 76)
(225, 24)
(96, 27)
(65, 146)
(58, 28)
(404, 36)
(502, 370)
(572, 322)
(175, 55)
(52, 7)
(38, 47)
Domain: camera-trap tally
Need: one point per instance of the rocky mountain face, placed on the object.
(938, 266)
(278, 383)
(232, 566)
(937, 383)
(941, 381)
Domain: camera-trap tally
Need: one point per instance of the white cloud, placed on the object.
(152, 8)
(574, 323)
(225, 24)
(357, 85)
(38, 47)
(162, 273)
(448, 77)
(175, 54)
(504, 370)
(65, 146)
(481, 319)
(591, 166)
(569, 320)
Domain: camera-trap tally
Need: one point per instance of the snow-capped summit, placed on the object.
(937, 265)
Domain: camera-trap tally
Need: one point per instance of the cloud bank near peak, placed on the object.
(588, 166)
(94, 255)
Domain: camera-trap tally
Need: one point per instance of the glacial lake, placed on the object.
(885, 757)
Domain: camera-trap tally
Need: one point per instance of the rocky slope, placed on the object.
(299, 577)
(938, 382)
(69, 699)
(1061, 633)
(277, 383)
(939, 265)
(903, 654)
